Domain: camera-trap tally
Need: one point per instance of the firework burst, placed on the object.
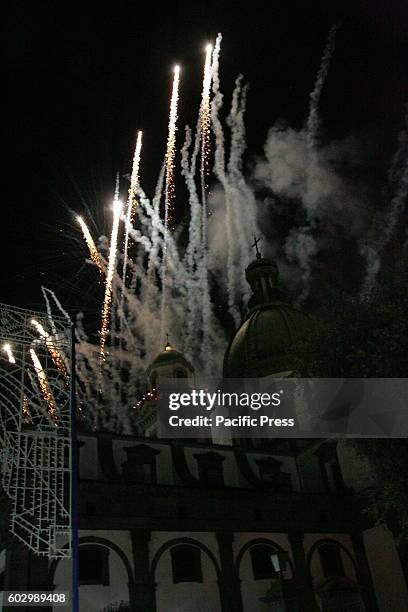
(52, 349)
(171, 149)
(117, 209)
(132, 201)
(205, 120)
(44, 386)
(93, 251)
(9, 353)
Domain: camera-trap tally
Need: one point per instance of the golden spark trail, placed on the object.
(171, 149)
(132, 201)
(52, 349)
(117, 209)
(27, 418)
(9, 353)
(205, 120)
(44, 386)
(93, 251)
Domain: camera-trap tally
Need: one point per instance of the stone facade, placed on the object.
(140, 517)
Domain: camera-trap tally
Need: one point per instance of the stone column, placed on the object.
(306, 596)
(229, 582)
(142, 591)
(364, 573)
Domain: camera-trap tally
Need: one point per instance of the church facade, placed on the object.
(195, 526)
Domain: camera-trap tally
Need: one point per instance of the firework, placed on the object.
(9, 353)
(27, 418)
(313, 120)
(117, 209)
(171, 149)
(52, 349)
(44, 386)
(132, 202)
(93, 251)
(205, 120)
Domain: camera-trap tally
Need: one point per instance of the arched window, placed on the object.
(261, 559)
(330, 558)
(93, 564)
(186, 564)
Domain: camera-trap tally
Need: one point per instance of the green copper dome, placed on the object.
(169, 356)
(270, 340)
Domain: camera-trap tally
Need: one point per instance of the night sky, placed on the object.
(81, 81)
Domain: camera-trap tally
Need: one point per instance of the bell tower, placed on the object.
(168, 364)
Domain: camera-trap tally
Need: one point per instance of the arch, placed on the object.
(332, 541)
(257, 542)
(107, 544)
(176, 542)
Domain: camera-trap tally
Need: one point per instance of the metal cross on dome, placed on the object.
(256, 241)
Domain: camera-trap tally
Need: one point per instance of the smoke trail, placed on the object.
(301, 245)
(313, 120)
(117, 187)
(130, 212)
(204, 170)
(45, 291)
(219, 170)
(385, 224)
(169, 195)
(400, 197)
(132, 202)
(171, 149)
(242, 197)
(117, 207)
(193, 251)
(153, 261)
(187, 171)
(238, 195)
(198, 308)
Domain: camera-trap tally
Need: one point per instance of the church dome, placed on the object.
(169, 356)
(270, 340)
(170, 363)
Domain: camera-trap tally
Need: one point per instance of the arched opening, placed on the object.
(186, 563)
(186, 571)
(334, 575)
(331, 559)
(93, 561)
(105, 574)
(259, 580)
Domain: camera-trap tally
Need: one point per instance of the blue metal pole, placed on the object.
(74, 481)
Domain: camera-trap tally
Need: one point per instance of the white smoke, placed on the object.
(306, 185)
(385, 223)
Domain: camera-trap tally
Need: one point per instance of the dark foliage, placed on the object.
(368, 338)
